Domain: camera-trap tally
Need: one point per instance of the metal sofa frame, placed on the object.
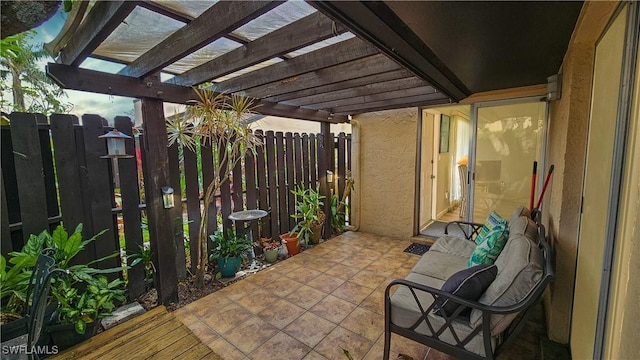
(523, 308)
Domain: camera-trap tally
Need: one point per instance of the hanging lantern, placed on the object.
(115, 144)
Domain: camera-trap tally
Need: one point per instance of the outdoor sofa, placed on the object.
(471, 328)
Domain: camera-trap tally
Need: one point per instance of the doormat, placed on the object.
(417, 248)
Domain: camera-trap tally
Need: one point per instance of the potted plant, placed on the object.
(309, 215)
(270, 249)
(229, 251)
(292, 243)
(79, 313)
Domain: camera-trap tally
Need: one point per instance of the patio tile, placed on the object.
(437, 355)
(305, 297)
(259, 330)
(207, 305)
(258, 300)
(239, 289)
(262, 278)
(224, 348)
(378, 269)
(342, 271)
(325, 283)
(203, 332)
(375, 301)
(303, 275)
(282, 286)
(341, 338)
(357, 262)
(417, 352)
(281, 346)
(226, 318)
(310, 328)
(364, 322)
(322, 264)
(352, 292)
(370, 280)
(281, 313)
(402, 345)
(333, 309)
(314, 356)
(337, 256)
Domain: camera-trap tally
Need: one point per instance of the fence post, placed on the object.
(324, 163)
(156, 175)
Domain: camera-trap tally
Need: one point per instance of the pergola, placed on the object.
(319, 61)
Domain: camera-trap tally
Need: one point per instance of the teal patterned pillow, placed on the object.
(488, 250)
(493, 220)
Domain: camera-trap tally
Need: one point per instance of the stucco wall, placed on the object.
(387, 171)
(568, 123)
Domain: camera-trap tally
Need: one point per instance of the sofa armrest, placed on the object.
(469, 229)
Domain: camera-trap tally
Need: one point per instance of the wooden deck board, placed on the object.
(155, 334)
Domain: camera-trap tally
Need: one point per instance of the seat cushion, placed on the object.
(453, 245)
(439, 265)
(520, 268)
(518, 212)
(469, 284)
(404, 309)
(524, 226)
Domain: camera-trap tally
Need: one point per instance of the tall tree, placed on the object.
(32, 90)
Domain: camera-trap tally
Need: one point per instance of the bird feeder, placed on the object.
(115, 144)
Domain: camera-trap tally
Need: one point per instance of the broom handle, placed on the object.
(544, 188)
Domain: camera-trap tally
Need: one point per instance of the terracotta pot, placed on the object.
(316, 233)
(292, 243)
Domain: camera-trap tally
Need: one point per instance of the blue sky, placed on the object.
(84, 102)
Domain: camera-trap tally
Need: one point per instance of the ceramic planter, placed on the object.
(316, 234)
(292, 243)
(229, 266)
(271, 255)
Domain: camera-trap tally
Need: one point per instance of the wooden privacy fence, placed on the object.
(53, 172)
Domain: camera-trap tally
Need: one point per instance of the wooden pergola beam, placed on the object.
(363, 100)
(220, 19)
(342, 52)
(360, 91)
(102, 20)
(306, 31)
(74, 78)
(351, 70)
(345, 84)
(419, 100)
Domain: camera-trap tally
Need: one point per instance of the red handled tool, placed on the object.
(533, 184)
(544, 188)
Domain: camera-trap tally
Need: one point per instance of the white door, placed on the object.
(426, 170)
(595, 189)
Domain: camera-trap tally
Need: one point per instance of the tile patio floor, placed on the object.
(312, 305)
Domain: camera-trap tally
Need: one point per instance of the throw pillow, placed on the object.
(469, 283)
(488, 250)
(493, 220)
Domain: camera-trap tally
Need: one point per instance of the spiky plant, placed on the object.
(220, 121)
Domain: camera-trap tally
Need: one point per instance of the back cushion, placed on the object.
(520, 268)
(524, 226)
(519, 211)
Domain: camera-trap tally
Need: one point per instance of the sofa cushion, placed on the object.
(453, 245)
(469, 284)
(520, 268)
(404, 309)
(492, 244)
(439, 265)
(518, 212)
(493, 220)
(524, 226)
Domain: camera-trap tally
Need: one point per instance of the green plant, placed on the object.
(308, 213)
(81, 308)
(14, 282)
(229, 245)
(338, 218)
(144, 255)
(220, 121)
(269, 244)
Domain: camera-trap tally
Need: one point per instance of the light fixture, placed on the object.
(329, 176)
(167, 197)
(115, 144)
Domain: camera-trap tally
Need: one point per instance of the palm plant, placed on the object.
(220, 121)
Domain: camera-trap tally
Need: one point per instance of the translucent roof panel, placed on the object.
(139, 32)
(248, 70)
(274, 19)
(101, 65)
(321, 44)
(203, 55)
(193, 8)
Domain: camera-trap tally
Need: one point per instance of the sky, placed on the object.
(84, 102)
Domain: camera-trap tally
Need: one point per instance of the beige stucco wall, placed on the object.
(568, 123)
(386, 182)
